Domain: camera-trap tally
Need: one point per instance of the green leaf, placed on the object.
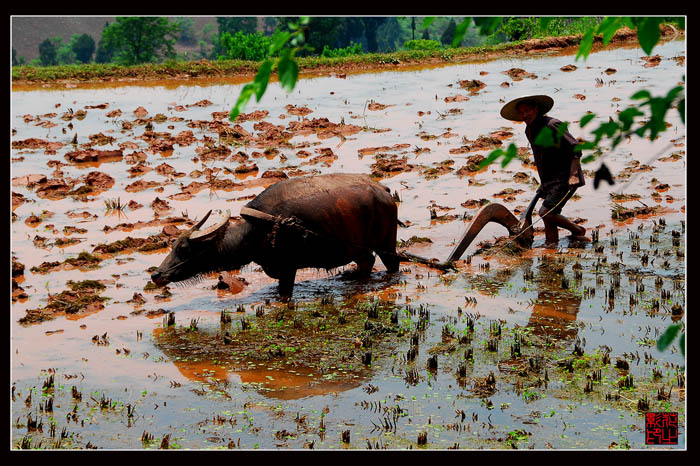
(487, 24)
(681, 109)
(586, 145)
(671, 96)
(667, 338)
(586, 119)
(262, 78)
(608, 129)
(460, 31)
(584, 48)
(608, 27)
(428, 21)
(629, 22)
(643, 94)
(246, 93)
(681, 343)
(510, 154)
(648, 33)
(545, 138)
(288, 71)
(561, 129)
(627, 117)
(492, 157)
(588, 159)
(279, 42)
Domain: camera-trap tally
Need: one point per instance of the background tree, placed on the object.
(269, 24)
(48, 52)
(390, 35)
(320, 32)
(105, 51)
(350, 30)
(65, 54)
(206, 42)
(372, 24)
(187, 33)
(17, 60)
(83, 46)
(233, 24)
(448, 34)
(141, 39)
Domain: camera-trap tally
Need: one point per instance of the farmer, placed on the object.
(558, 166)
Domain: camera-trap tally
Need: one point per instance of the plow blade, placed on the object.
(497, 213)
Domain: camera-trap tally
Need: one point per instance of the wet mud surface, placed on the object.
(538, 348)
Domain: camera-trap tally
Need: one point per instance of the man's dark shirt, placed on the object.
(553, 163)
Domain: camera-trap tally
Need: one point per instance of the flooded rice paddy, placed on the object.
(541, 350)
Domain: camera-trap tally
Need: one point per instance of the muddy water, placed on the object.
(210, 403)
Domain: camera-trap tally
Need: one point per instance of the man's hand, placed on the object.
(573, 181)
(573, 174)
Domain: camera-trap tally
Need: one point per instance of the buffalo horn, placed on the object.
(200, 223)
(211, 230)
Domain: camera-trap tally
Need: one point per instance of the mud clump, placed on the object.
(99, 180)
(257, 115)
(298, 111)
(17, 200)
(83, 156)
(322, 127)
(473, 203)
(413, 240)
(140, 244)
(387, 165)
(472, 85)
(83, 261)
(518, 74)
(53, 189)
(481, 143)
(623, 213)
(216, 152)
(505, 246)
(376, 106)
(473, 165)
(160, 206)
(81, 298)
(35, 143)
(17, 267)
(141, 185)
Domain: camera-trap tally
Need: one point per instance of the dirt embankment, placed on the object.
(208, 69)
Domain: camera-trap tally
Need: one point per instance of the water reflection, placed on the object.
(203, 359)
(292, 384)
(555, 310)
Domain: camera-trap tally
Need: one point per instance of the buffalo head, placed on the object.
(193, 253)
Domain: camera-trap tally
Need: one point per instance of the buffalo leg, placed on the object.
(286, 282)
(388, 253)
(365, 262)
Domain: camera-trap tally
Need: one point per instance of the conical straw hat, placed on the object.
(509, 111)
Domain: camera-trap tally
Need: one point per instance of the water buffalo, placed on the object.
(324, 221)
